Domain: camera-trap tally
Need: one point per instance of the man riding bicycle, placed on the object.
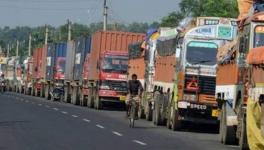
(135, 90)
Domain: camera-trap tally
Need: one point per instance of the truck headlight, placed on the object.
(189, 97)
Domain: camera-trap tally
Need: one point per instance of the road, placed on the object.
(30, 123)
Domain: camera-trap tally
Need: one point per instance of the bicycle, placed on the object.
(132, 111)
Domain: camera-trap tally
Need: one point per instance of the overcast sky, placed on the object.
(56, 12)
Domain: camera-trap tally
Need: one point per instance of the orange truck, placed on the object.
(240, 93)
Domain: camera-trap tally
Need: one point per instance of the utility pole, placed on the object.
(69, 30)
(8, 49)
(17, 45)
(29, 45)
(46, 34)
(105, 15)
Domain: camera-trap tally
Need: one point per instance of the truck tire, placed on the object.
(141, 114)
(227, 133)
(243, 143)
(74, 96)
(90, 101)
(47, 92)
(98, 103)
(176, 123)
(156, 112)
(149, 112)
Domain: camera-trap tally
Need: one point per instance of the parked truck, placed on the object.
(240, 94)
(106, 68)
(55, 74)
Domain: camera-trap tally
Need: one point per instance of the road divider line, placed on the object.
(64, 112)
(74, 116)
(86, 120)
(40, 104)
(139, 142)
(56, 109)
(100, 126)
(117, 133)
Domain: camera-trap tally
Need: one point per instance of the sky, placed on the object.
(56, 12)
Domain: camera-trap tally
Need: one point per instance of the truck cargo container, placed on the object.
(82, 49)
(10, 73)
(39, 63)
(108, 68)
(56, 62)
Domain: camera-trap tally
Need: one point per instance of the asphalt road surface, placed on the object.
(30, 123)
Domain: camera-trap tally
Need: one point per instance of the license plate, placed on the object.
(122, 98)
(215, 113)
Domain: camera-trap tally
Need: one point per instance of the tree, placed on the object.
(214, 8)
(172, 20)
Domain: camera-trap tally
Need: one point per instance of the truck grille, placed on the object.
(206, 84)
(118, 85)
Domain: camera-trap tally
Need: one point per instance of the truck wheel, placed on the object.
(74, 96)
(47, 92)
(176, 123)
(98, 103)
(243, 144)
(90, 102)
(227, 133)
(140, 112)
(149, 112)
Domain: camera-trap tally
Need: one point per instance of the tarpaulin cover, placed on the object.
(255, 138)
(244, 8)
(167, 48)
(149, 33)
(256, 56)
(226, 51)
(135, 50)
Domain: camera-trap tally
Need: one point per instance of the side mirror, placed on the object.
(261, 98)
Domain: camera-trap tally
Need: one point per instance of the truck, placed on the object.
(80, 48)
(55, 69)
(39, 71)
(106, 68)
(240, 95)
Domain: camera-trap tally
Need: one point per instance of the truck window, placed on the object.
(203, 53)
(115, 64)
(259, 36)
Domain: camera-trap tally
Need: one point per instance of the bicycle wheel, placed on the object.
(132, 114)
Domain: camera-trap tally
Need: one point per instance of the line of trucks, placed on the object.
(207, 70)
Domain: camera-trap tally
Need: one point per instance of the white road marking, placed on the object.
(117, 133)
(74, 116)
(139, 142)
(56, 109)
(40, 104)
(100, 126)
(64, 112)
(47, 106)
(86, 120)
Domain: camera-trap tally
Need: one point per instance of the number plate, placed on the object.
(122, 98)
(215, 113)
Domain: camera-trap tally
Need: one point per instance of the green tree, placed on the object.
(214, 8)
(172, 20)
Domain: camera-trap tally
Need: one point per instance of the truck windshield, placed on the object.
(201, 53)
(115, 64)
(259, 36)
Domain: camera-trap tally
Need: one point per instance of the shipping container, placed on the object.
(70, 60)
(39, 62)
(50, 61)
(60, 61)
(103, 41)
(83, 47)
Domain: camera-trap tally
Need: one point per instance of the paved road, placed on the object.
(30, 123)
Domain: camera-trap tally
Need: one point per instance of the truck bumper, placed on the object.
(198, 113)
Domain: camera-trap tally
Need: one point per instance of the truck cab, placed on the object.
(193, 99)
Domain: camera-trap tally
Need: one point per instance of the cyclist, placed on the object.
(135, 89)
